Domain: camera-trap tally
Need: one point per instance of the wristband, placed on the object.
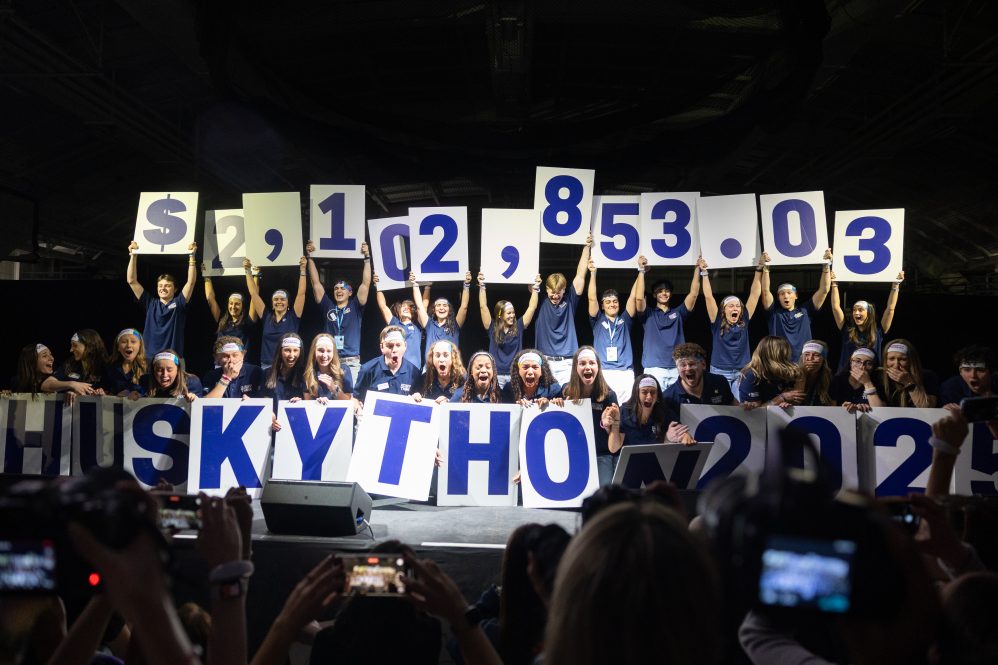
(231, 570)
(703, 273)
(535, 289)
(758, 269)
(207, 278)
(224, 380)
(301, 274)
(765, 268)
(871, 391)
(943, 446)
(642, 270)
(467, 285)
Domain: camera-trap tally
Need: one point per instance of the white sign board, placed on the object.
(729, 230)
(224, 246)
(563, 202)
(832, 430)
(230, 444)
(794, 228)
(901, 453)
(510, 245)
(616, 231)
(557, 455)
(273, 228)
(479, 446)
(439, 238)
(869, 245)
(390, 255)
(336, 220)
(641, 465)
(165, 222)
(36, 432)
(670, 233)
(157, 435)
(739, 438)
(314, 442)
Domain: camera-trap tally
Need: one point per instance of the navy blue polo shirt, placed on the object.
(477, 399)
(116, 380)
(663, 331)
(375, 375)
(247, 383)
(343, 321)
(505, 351)
(435, 332)
(554, 332)
(413, 341)
(635, 433)
(547, 392)
(282, 390)
(841, 391)
(792, 324)
(164, 325)
(755, 389)
(849, 346)
(730, 349)
(955, 389)
(347, 386)
(614, 335)
(716, 391)
(273, 331)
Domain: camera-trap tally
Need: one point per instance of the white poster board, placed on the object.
(510, 245)
(36, 432)
(616, 227)
(897, 439)
(479, 446)
(157, 434)
(224, 245)
(390, 254)
(336, 220)
(869, 245)
(670, 234)
(642, 464)
(832, 430)
(97, 433)
(229, 445)
(165, 222)
(563, 202)
(314, 442)
(729, 230)
(557, 455)
(739, 438)
(794, 228)
(976, 469)
(439, 238)
(273, 228)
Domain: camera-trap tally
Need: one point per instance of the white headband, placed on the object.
(508, 307)
(393, 336)
(229, 347)
(862, 303)
(166, 356)
(586, 353)
(529, 357)
(438, 343)
(290, 343)
(731, 299)
(128, 331)
(441, 300)
(648, 382)
(279, 292)
(786, 286)
(75, 337)
(40, 347)
(813, 347)
(865, 353)
(325, 338)
(973, 366)
(237, 296)
(474, 355)
(897, 347)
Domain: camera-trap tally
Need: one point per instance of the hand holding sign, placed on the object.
(165, 222)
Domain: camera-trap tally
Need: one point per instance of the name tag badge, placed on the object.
(406, 387)
(798, 315)
(382, 386)
(611, 354)
(339, 342)
(672, 316)
(172, 305)
(246, 389)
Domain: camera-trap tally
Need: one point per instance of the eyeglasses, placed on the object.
(688, 364)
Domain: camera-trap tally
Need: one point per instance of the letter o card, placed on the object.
(557, 455)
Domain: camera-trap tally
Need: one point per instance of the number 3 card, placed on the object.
(869, 245)
(273, 228)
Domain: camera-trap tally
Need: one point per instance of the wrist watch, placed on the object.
(471, 618)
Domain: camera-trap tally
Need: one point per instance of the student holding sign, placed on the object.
(695, 386)
(390, 372)
(785, 318)
(531, 381)
(402, 313)
(505, 330)
(127, 366)
(324, 377)
(730, 348)
(169, 379)
(862, 330)
(587, 382)
(280, 319)
(612, 332)
(345, 311)
(902, 381)
(445, 374)
(663, 325)
(555, 332)
(167, 314)
(238, 315)
(444, 324)
(482, 385)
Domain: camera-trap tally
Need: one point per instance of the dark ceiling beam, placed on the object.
(173, 24)
(510, 35)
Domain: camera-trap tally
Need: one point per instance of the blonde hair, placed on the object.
(457, 371)
(892, 389)
(556, 282)
(771, 361)
(500, 333)
(309, 375)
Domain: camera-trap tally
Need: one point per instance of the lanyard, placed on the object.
(611, 327)
(339, 313)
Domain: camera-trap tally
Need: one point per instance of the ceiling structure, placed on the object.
(880, 103)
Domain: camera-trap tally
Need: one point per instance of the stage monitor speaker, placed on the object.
(315, 508)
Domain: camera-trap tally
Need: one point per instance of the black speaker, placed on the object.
(315, 508)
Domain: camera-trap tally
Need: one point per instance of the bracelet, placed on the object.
(765, 268)
(207, 278)
(301, 274)
(758, 269)
(467, 285)
(895, 286)
(703, 273)
(871, 391)
(943, 446)
(642, 270)
(909, 387)
(231, 570)
(224, 380)
(535, 289)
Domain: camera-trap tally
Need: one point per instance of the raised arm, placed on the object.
(825, 285)
(892, 301)
(837, 314)
(299, 304)
(593, 297)
(132, 272)
(257, 305)
(365, 279)
(422, 302)
(209, 291)
(691, 298)
(580, 271)
(756, 289)
(767, 294)
(462, 310)
(708, 293)
(192, 272)
(318, 291)
(528, 315)
(483, 302)
(636, 300)
(379, 298)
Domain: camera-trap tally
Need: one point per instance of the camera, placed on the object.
(178, 512)
(786, 543)
(374, 574)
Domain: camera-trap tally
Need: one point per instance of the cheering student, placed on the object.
(390, 372)
(862, 330)
(87, 358)
(285, 378)
(127, 366)
(815, 378)
(34, 374)
(444, 324)
(238, 315)
(555, 329)
(233, 377)
(976, 365)
(643, 418)
(587, 382)
(324, 376)
(483, 383)
(532, 381)
(402, 313)
(785, 318)
(853, 388)
(505, 330)
(663, 325)
(902, 381)
(279, 320)
(771, 376)
(167, 314)
(343, 314)
(612, 332)
(168, 379)
(729, 332)
(445, 374)
(695, 386)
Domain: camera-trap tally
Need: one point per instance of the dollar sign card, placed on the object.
(165, 222)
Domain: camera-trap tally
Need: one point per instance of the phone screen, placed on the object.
(807, 573)
(977, 409)
(375, 574)
(179, 511)
(27, 566)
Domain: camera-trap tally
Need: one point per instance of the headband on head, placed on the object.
(529, 357)
(230, 347)
(863, 352)
(325, 338)
(279, 292)
(441, 300)
(290, 343)
(586, 353)
(344, 285)
(786, 286)
(40, 347)
(508, 307)
(236, 296)
(973, 365)
(474, 355)
(129, 331)
(731, 299)
(393, 336)
(165, 355)
(862, 303)
(438, 343)
(648, 382)
(814, 347)
(898, 347)
(75, 338)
